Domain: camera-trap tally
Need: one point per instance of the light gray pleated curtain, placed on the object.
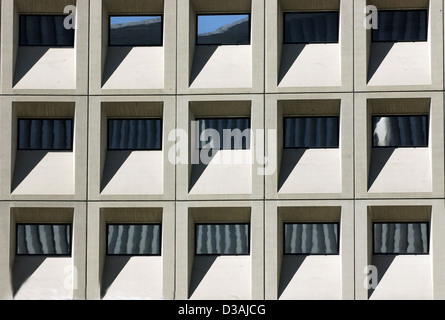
(45, 134)
(135, 134)
(233, 33)
(400, 131)
(45, 30)
(401, 25)
(222, 239)
(311, 238)
(224, 133)
(134, 239)
(311, 132)
(34, 239)
(408, 238)
(311, 27)
(138, 33)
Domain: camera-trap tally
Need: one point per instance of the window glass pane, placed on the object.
(311, 27)
(400, 131)
(222, 239)
(223, 29)
(401, 238)
(224, 133)
(134, 239)
(401, 25)
(45, 134)
(136, 31)
(43, 239)
(135, 134)
(311, 132)
(311, 238)
(45, 30)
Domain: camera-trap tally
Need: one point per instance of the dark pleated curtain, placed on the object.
(311, 132)
(311, 27)
(34, 239)
(401, 25)
(45, 30)
(134, 239)
(224, 133)
(401, 238)
(311, 238)
(139, 33)
(45, 134)
(222, 239)
(400, 131)
(234, 33)
(135, 134)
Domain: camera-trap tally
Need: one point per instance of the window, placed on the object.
(311, 238)
(223, 29)
(134, 239)
(400, 238)
(222, 239)
(136, 30)
(44, 239)
(400, 131)
(311, 27)
(45, 134)
(401, 26)
(135, 134)
(224, 133)
(45, 30)
(311, 132)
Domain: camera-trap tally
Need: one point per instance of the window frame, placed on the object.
(198, 140)
(248, 224)
(45, 118)
(130, 254)
(427, 115)
(401, 222)
(161, 15)
(426, 10)
(136, 118)
(311, 254)
(20, 43)
(311, 12)
(249, 15)
(70, 224)
(311, 116)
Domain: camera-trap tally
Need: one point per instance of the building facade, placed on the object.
(118, 181)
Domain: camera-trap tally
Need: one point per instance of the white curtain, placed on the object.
(311, 132)
(45, 30)
(311, 238)
(222, 239)
(311, 27)
(224, 133)
(45, 134)
(400, 131)
(401, 238)
(134, 239)
(43, 239)
(401, 25)
(135, 134)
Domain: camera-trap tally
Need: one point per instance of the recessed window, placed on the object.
(44, 239)
(134, 239)
(311, 132)
(223, 29)
(224, 133)
(45, 134)
(45, 30)
(135, 134)
(311, 238)
(400, 131)
(222, 239)
(136, 30)
(311, 27)
(400, 238)
(401, 26)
